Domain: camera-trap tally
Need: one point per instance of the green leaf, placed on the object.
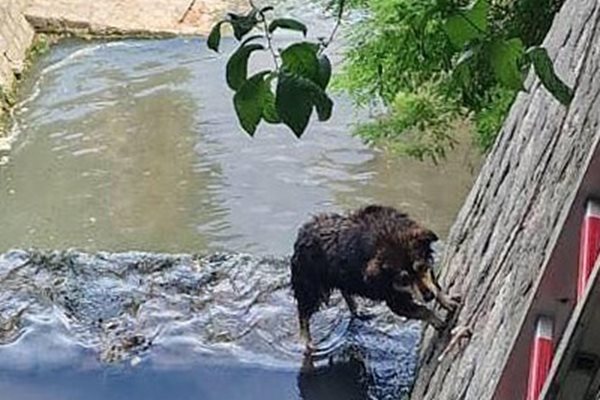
(323, 104)
(295, 98)
(242, 24)
(251, 38)
(324, 74)
(237, 66)
(462, 69)
(545, 71)
(287, 23)
(249, 101)
(301, 59)
(468, 23)
(269, 110)
(505, 56)
(214, 38)
(294, 105)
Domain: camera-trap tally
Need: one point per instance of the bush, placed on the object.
(400, 49)
(417, 123)
(489, 118)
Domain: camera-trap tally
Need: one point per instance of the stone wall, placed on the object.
(16, 35)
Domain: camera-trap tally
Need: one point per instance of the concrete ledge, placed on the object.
(21, 19)
(16, 36)
(123, 17)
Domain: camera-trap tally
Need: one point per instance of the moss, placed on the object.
(8, 94)
(40, 46)
(5, 101)
(3, 120)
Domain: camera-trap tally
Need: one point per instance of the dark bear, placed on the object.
(375, 252)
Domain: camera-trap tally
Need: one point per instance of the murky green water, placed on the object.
(133, 146)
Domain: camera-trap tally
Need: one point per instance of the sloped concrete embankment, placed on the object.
(16, 36)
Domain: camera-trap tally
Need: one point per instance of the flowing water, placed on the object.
(139, 326)
(133, 147)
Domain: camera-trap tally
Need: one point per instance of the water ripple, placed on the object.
(131, 308)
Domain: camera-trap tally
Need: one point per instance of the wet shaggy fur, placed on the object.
(375, 252)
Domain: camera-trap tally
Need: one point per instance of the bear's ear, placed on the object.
(423, 235)
(430, 236)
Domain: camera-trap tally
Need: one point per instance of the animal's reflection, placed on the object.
(341, 377)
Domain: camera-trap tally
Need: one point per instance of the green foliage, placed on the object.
(479, 46)
(397, 46)
(237, 66)
(466, 24)
(243, 24)
(325, 69)
(505, 56)
(249, 101)
(545, 70)
(214, 38)
(429, 62)
(490, 116)
(418, 124)
(301, 59)
(295, 99)
(287, 23)
(300, 81)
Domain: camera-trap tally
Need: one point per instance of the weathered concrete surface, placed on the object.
(123, 17)
(21, 19)
(16, 36)
(514, 214)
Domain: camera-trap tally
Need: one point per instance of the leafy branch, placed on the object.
(293, 88)
(468, 29)
(433, 63)
(429, 62)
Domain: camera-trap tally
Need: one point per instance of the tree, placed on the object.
(446, 48)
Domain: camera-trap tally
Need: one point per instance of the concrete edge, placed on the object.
(24, 37)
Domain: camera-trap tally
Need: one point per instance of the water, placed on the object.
(147, 326)
(133, 146)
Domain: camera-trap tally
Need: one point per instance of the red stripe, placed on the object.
(589, 249)
(541, 359)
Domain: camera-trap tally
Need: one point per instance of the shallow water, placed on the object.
(133, 145)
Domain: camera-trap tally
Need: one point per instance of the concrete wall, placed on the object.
(16, 35)
(513, 250)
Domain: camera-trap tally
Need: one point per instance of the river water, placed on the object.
(132, 146)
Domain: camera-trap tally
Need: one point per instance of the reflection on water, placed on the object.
(141, 326)
(134, 145)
